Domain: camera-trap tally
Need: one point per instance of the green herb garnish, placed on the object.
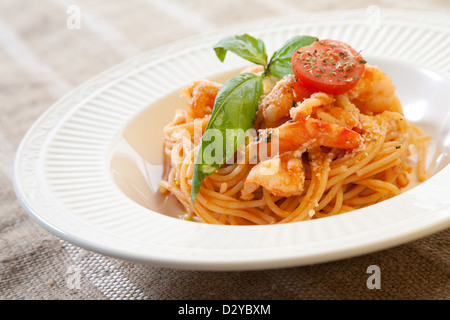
(233, 113)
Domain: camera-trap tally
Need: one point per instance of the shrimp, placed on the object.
(305, 134)
(304, 131)
(282, 175)
(275, 106)
(337, 109)
(374, 93)
(202, 95)
(306, 108)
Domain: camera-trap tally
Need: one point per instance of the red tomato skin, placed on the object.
(330, 66)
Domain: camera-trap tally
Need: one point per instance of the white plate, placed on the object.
(63, 169)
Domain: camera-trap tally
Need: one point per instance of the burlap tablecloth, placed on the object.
(42, 58)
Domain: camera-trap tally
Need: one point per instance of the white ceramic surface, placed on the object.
(67, 171)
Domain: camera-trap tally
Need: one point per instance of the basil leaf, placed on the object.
(245, 46)
(233, 114)
(280, 63)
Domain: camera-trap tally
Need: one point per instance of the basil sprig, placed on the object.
(254, 50)
(237, 101)
(233, 113)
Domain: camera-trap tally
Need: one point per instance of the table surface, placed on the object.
(42, 58)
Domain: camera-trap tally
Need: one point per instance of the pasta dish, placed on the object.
(326, 137)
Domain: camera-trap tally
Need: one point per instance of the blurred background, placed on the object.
(49, 47)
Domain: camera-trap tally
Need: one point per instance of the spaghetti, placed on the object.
(312, 181)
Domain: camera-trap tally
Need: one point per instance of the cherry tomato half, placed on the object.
(330, 66)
